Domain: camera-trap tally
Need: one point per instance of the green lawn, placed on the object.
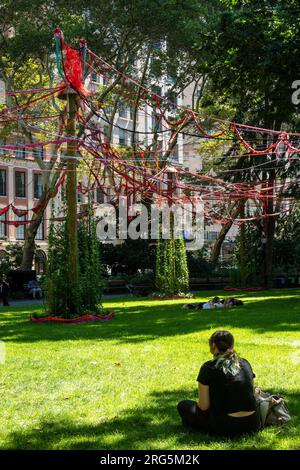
(116, 384)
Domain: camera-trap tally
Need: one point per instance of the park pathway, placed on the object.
(26, 302)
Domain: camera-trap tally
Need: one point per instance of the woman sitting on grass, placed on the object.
(226, 404)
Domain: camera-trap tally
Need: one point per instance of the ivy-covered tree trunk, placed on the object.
(171, 276)
(90, 267)
(60, 294)
(181, 266)
(56, 287)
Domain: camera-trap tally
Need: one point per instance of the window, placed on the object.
(2, 151)
(20, 233)
(40, 231)
(20, 152)
(2, 226)
(130, 113)
(122, 137)
(40, 261)
(108, 110)
(175, 153)
(172, 98)
(20, 179)
(37, 185)
(122, 110)
(94, 76)
(2, 182)
(210, 236)
(99, 196)
(105, 131)
(156, 121)
(39, 153)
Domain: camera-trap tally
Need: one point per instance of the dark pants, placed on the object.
(223, 425)
(5, 300)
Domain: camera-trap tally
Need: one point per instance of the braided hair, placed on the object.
(228, 360)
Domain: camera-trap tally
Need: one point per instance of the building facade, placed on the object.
(21, 186)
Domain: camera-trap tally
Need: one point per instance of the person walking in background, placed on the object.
(4, 291)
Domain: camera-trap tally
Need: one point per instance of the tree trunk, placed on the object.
(29, 244)
(32, 228)
(235, 211)
(269, 252)
(28, 251)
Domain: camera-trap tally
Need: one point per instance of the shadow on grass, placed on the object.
(134, 323)
(156, 426)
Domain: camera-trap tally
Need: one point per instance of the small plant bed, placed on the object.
(76, 319)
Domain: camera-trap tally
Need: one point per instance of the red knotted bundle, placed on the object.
(72, 63)
(73, 69)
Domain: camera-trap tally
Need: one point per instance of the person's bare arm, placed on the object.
(203, 400)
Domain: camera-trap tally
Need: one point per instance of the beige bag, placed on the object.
(273, 409)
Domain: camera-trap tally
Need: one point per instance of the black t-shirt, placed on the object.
(228, 393)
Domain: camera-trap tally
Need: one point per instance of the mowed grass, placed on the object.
(116, 384)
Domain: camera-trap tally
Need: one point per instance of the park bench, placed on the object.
(116, 286)
(208, 283)
(20, 284)
(28, 291)
(140, 290)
